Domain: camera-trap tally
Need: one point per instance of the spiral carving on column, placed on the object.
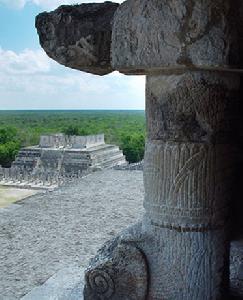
(101, 283)
(119, 271)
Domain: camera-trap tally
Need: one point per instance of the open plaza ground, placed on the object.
(46, 233)
(11, 195)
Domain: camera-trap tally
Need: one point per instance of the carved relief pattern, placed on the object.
(119, 271)
(188, 184)
(185, 258)
(102, 283)
(193, 107)
(174, 34)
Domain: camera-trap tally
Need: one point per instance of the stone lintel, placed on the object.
(176, 70)
(154, 36)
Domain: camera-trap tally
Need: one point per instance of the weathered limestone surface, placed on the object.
(236, 269)
(79, 36)
(187, 49)
(193, 107)
(111, 275)
(59, 159)
(188, 175)
(71, 142)
(189, 171)
(165, 35)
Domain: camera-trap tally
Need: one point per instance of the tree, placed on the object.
(9, 145)
(71, 130)
(8, 151)
(7, 134)
(75, 130)
(133, 146)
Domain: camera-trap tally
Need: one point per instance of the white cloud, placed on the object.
(51, 4)
(14, 3)
(26, 62)
(45, 4)
(30, 79)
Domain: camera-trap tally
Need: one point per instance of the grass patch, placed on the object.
(11, 195)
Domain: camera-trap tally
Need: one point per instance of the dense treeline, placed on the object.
(9, 145)
(23, 128)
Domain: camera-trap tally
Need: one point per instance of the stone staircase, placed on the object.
(69, 160)
(28, 158)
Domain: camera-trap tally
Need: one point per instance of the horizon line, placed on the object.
(70, 109)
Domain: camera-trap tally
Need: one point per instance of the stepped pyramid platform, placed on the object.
(69, 154)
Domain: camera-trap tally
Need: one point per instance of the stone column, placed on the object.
(189, 170)
(190, 52)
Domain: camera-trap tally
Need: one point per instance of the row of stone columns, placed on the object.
(15, 175)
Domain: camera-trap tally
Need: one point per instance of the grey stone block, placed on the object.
(67, 284)
(79, 36)
(166, 36)
(190, 162)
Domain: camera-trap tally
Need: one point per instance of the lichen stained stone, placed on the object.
(79, 36)
(167, 36)
(118, 272)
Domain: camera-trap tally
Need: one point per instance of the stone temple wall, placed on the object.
(59, 156)
(76, 142)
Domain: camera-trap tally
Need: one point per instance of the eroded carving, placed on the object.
(188, 184)
(118, 272)
(155, 35)
(101, 284)
(181, 262)
(79, 36)
(187, 49)
(193, 107)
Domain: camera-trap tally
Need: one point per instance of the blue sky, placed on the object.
(29, 79)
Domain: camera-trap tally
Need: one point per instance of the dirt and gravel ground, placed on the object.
(11, 195)
(47, 232)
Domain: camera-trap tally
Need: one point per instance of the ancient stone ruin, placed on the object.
(191, 52)
(70, 154)
(19, 177)
(59, 159)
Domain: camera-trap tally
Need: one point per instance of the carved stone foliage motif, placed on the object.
(118, 272)
(187, 185)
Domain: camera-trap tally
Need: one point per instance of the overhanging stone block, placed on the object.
(79, 36)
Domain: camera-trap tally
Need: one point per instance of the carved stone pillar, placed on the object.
(189, 169)
(191, 53)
